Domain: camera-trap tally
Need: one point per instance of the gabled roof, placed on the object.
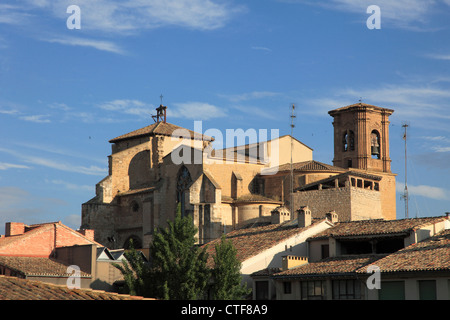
(250, 241)
(12, 288)
(36, 229)
(376, 227)
(310, 165)
(36, 266)
(163, 129)
(432, 254)
(333, 266)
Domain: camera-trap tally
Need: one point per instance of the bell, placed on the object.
(375, 150)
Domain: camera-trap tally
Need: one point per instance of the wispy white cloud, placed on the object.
(407, 14)
(128, 106)
(9, 112)
(27, 147)
(426, 102)
(39, 118)
(254, 95)
(196, 111)
(435, 193)
(13, 14)
(96, 44)
(56, 165)
(6, 166)
(438, 56)
(265, 49)
(72, 186)
(129, 16)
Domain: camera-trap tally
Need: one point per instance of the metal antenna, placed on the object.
(405, 193)
(292, 171)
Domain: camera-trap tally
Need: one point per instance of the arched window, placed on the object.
(135, 207)
(184, 180)
(375, 145)
(348, 141)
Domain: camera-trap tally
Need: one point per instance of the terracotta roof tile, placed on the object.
(253, 240)
(160, 128)
(34, 266)
(432, 254)
(310, 165)
(360, 105)
(375, 227)
(12, 288)
(341, 265)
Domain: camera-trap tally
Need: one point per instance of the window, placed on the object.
(375, 144)
(346, 289)
(287, 287)
(325, 251)
(348, 141)
(183, 182)
(427, 289)
(313, 290)
(262, 290)
(134, 206)
(392, 290)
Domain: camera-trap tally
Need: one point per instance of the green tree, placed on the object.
(227, 273)
(136, 273)
(179, 266)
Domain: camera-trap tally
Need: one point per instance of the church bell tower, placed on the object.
(361, 137)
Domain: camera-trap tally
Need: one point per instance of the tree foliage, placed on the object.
(177, 268)
(136, 272)
(178, 264)
(226, 273)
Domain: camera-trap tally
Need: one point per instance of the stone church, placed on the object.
(146, 182)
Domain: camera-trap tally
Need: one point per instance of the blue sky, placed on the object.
(232, 64)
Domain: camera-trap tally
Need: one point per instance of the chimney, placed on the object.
(332, 216)
(88, 233)
(447, 214)
(280, 215)
(304, 217)
(14, 228)
(289, 262)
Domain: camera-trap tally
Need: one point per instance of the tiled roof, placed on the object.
(375, 227)
(432, 254)
(359, 105)
(161, 128)
(34, 266)
(12, 288)
(337, 266)
(35, 229)
(250, 197)
(253, 240)
(310, 165)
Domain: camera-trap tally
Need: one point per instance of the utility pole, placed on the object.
(405, 193)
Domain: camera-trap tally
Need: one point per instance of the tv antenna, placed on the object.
(291, 203)
(405, 192)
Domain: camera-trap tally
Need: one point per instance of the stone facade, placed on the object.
(155, 168)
